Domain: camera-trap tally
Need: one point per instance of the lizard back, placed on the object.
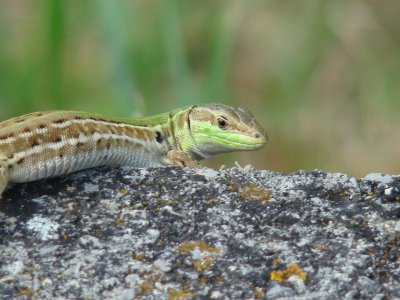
(61, 142)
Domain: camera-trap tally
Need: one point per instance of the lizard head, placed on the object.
(218, 128)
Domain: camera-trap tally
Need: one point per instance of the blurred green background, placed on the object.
(323, 77)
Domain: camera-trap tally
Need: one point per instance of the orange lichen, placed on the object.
(291, 270)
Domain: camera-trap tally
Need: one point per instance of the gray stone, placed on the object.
(120, 233)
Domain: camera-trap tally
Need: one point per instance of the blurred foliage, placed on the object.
(323, 77)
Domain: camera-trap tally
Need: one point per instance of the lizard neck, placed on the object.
(173, 128)
(181, 134)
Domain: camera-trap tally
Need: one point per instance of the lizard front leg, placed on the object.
(181, 159)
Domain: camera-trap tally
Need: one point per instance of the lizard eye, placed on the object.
(221, 123)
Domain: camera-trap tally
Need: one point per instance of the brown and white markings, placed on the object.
(48, 144)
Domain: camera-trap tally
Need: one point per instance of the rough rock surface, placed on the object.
(169, 233)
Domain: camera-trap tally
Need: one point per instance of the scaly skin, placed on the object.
(54, 143)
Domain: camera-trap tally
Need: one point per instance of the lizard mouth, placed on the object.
(245, 143)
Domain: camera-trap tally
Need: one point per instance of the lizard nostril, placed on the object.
(258, 135)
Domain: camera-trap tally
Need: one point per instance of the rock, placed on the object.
(120, 233)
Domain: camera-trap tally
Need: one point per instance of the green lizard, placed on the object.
(48, 144)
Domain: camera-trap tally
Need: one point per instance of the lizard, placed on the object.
(54, 143)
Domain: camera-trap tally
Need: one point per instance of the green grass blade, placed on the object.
(176, 56)
(115, 28)
(56, 35)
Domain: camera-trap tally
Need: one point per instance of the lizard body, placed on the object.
(48, 144)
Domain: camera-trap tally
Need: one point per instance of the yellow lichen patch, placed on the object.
(176, 202)
(321, 247)
(291, 269)
(123, 191)
(182, 294)
(25, 291)
(147, 286)
(258, 293)
(202, 280)
(254, 193)
(277, 261)
(201, 245)
(233, 188)
(201, 265)
(207, 253)
(137, 256)
(119, 222)
(213, 201)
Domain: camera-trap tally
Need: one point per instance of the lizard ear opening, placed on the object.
(159, 137)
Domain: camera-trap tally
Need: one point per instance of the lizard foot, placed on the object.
(178, 158)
